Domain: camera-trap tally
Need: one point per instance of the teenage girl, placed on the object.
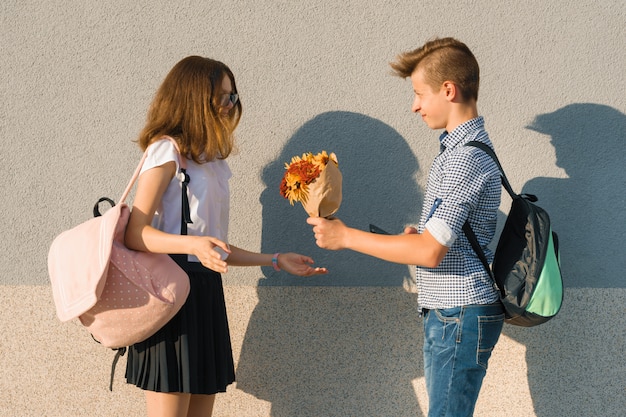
(189, 360)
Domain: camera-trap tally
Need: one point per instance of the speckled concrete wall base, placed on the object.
(323, 351)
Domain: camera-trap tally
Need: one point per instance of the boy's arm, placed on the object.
(411, 249)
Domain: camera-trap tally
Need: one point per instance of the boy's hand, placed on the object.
(410, 230)
(329, 234)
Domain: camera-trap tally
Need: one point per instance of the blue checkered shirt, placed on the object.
(463, 184)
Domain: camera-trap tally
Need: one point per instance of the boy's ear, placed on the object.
(450, 90)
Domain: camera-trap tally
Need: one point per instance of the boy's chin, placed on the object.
(434, 126)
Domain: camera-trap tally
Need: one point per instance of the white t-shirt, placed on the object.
(208, 191)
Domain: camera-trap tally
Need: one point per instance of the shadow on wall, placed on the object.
(587, 211)
(378, 169)
(319, 347)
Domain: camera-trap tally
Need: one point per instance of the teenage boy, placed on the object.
(462, 314)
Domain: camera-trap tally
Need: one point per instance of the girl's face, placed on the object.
(225, 98)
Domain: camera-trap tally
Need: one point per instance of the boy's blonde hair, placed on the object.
(187, 108)
(445, 59)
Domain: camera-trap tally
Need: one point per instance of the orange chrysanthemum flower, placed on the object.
(301, 172)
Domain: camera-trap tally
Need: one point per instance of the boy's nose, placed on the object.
(416, 106)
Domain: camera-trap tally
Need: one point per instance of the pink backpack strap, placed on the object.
(182, 162)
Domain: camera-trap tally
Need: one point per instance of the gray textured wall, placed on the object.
(77, 78)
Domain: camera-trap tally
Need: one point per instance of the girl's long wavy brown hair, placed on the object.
(187, 108)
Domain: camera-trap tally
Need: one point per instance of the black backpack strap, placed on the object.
(96, 207)
(505, 181)
(186, 215)
(471, 237)
(467, 229)
(485, 148)
(118, 354)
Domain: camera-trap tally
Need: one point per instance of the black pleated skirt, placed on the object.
(192, 353)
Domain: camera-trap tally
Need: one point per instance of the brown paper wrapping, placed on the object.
(324, 196)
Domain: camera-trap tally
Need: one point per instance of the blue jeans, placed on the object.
(458, 342)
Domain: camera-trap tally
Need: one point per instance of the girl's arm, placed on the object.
(141, 236)
(292, 263)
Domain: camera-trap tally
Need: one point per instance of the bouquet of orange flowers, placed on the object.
(314, 181)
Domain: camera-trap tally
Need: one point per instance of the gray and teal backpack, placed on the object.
(526, 266)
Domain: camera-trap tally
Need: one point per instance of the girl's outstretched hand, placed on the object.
(297, 264)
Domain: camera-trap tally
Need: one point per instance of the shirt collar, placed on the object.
(452, 139)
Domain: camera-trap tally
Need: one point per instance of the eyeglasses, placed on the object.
(229, 98)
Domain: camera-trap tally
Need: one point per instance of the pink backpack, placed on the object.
(121, 296)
